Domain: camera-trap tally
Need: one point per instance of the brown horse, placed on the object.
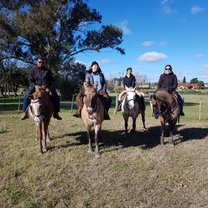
(41, 110)
(92, 114)
(165, 106)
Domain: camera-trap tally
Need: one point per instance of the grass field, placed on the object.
(132, 171)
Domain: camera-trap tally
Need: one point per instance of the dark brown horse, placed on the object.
(41, 110)
(92, 114)
(165, 106)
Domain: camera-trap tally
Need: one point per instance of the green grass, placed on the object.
(132, 171)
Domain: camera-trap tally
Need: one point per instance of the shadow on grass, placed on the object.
(144, 140)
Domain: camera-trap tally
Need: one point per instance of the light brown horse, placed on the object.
(92, 114)
(41, 110)
(165, 106)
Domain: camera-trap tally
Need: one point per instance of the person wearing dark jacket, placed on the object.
(95, 75)
(38, 76)
(168, 81)
(129, 80)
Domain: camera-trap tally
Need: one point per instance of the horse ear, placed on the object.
(85, 85)
(95, 85)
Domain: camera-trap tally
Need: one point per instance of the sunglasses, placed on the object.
(40, 62)
(167, 68)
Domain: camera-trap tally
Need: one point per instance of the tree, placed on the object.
(71, 79)
(194, 80)
(184, 79)
(12, 77)
(54, 29)
(200, 84)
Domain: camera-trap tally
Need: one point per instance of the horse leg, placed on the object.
(162, 133)
(143, 121)
(39, 137)
(133, 124)
(97, 129)
(89, 141)
(48, 136)
(126, 124)
(45, 133)
(172, 128)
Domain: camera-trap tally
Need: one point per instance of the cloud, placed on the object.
(197, 9)
(162, 43)
(124, 27)
(166, 7)
(205, 66)
(152, 57)
(106, 61)
(148, 43)
(199, 55)
(80, 62)
(164, 1)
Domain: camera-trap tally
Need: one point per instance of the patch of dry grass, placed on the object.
(132, 171)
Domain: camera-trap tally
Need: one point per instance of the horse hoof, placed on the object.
(45, 150)
(89, 151)
(97, 155)
(40, 152)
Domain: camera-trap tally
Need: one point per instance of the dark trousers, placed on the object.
(54, 97)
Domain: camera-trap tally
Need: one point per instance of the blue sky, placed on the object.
(156, 33)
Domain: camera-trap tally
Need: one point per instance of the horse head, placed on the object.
(36, 107)
(160, 104)
(155, 106)
(130, 98)
(90, 97)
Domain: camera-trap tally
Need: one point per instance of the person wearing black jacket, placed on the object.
(168, 81)
(129, 80)
(38, 76)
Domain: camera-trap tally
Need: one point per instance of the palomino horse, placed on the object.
(131, 107)
(92, 114)
(165, 106)
(41, 110)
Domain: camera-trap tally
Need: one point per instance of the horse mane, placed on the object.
(130, 89)
(164, 96)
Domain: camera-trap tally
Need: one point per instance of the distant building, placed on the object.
(187, 86)
(206, 85)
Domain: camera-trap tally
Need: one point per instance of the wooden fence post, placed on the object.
(19, 103)
(116, 106)
(72, 103)
(200, 103)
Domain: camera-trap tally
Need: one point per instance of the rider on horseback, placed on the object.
(41, 76)
(130, 81)
(168, 81)
(95, 75)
